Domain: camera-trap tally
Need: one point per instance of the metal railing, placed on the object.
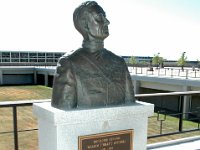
(168, 72)
(180, 115)
(14, 105)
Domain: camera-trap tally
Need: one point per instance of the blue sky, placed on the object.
(138, 27)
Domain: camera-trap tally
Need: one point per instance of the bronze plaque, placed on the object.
(119, 140)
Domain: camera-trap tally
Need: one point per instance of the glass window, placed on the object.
(5, 60)
(41, 60)
(58, 55)
(5, 54)
(23, 60)
(23, 55)
(41, 55)
(49, 60)
(33, 60)
(33, 55)
(49, 55)
(14, 54)
(14, 60)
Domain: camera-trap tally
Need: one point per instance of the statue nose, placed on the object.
(106, 21)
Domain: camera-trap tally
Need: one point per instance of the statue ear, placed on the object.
(84, 21)
(85, 26)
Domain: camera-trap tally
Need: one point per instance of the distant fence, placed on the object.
(169, 72)
(160, 115)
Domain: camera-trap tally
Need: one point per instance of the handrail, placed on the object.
(167, 94)
(22, 102)
(27, 102)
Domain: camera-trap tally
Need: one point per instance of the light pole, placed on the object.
(183, 60)
(158, 60)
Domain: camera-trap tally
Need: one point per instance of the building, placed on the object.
(36, 58)
(29, 58)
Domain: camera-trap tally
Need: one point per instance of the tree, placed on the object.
(182, 60)
(161, 62)
(132, 60)
(157, 60)
(143, 63)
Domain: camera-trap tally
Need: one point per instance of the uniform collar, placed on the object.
(93, 46)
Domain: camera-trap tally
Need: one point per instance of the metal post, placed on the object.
(186, 74)
(161, 126)
(46, 79)
(15, 127)
(35, 76)
(1, 77)
(171, 72)
(161, 120)
(181, 113)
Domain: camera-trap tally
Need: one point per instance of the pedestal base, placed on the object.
(60, 130)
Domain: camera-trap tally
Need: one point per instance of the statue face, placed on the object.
(97, 24)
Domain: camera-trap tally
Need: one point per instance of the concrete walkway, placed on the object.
(192, 143)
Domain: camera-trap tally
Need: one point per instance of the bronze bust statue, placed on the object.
(91, 76)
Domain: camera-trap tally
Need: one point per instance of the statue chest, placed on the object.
(104, 72)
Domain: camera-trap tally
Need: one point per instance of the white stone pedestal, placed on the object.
(59, 130)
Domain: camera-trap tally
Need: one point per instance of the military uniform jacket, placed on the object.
(88, 80)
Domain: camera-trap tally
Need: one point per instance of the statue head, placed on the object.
(90, 20)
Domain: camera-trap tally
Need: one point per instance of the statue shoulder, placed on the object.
(65, 63)
(114, 56)
(69, 56)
